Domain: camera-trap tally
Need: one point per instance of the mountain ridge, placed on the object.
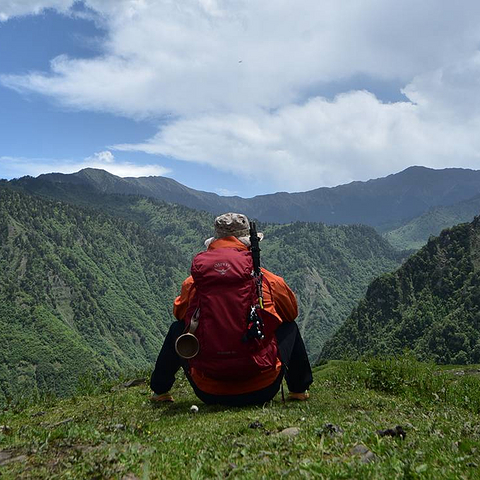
(79, 292)
(398, 197)
(415, 234)
(430, 305)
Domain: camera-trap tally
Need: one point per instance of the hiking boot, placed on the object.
(299, 397)
(162, 398)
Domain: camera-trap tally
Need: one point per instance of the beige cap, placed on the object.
(232, 225)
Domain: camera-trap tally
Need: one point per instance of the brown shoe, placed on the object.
(298, 397)
(163, 398)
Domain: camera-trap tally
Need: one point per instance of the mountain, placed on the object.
(80, 292)
(329, 267)
(92, 288)
(389, 201)
(415, 233)
(100, 181)
(430, 305)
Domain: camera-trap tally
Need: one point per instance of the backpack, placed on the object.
(225, 292)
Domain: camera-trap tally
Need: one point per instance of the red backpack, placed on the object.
(225, 292)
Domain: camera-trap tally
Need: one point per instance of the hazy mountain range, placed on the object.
(385, 203)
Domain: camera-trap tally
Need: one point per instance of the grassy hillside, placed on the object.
(79, 292)
(430, 305)
(415, 233)
(117, 434)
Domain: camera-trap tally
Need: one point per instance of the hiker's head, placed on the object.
(232, 225)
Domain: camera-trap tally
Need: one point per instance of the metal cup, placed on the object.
(187, 346)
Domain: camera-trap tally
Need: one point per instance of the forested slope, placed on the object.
(430, 305)
(329, 267)
(79, 291)
(91, 289)
(415, 233)
(183, 226)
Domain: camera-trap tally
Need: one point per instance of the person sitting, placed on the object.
(243, 319)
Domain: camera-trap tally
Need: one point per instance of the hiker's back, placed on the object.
(225, 292)
(242, 318)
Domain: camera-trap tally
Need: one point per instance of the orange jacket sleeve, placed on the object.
(283, 299)
(180, 304)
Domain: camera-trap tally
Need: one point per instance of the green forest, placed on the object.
(80, 293)
(89, 290)
(329, 267)
(415, 234)
(430, 305)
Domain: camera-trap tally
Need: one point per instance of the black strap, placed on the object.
(255, 248)
(254, 321)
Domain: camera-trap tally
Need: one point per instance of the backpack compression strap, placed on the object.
(257, 272)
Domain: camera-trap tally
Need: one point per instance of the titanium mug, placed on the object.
(187, 345)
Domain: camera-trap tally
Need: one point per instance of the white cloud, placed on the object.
(102, 157)
(226, 192)
(182, 58)
(321, 142)
(13, 8)
(11, 167)
(229, 79)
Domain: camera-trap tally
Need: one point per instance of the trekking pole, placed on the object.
(255, 249)
(254, 321)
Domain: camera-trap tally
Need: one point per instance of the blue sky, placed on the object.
(239, 97)
(38, 129)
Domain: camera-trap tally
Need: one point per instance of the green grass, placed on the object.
(115, 434)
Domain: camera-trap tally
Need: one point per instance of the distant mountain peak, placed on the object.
(99, 171)
(394, 199)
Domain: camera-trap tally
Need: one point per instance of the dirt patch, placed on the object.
(10, 456)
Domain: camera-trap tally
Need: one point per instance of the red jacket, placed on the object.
(278, 299)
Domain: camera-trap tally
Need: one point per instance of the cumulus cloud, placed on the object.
(102, 157)
(226, 192)
(13, 8)
(12, 167)
(321, 142)
(184, 58)
(238, 83)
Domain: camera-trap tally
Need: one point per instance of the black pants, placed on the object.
(295, 368)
